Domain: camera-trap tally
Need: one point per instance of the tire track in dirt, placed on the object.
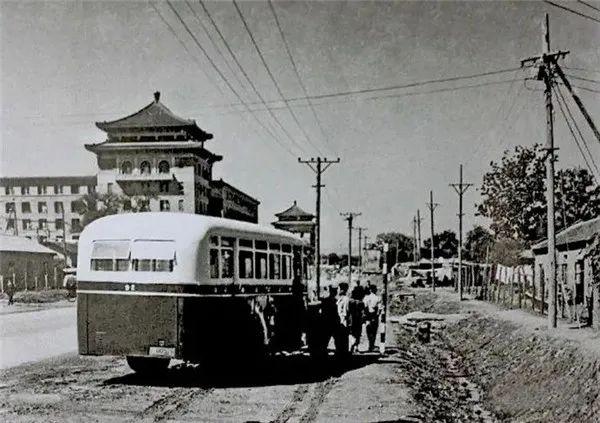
(320, 392)
(169, 404)
(291, 407)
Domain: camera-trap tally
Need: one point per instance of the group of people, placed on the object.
(362, 307)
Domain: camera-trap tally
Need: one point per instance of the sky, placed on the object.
(66, 65)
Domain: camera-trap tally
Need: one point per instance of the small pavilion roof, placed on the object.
(155, 115)
(294, 211)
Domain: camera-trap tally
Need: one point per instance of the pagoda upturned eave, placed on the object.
(155, 118)
(194, 147)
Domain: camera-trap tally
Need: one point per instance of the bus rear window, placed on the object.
(153, 255)
(110, 255)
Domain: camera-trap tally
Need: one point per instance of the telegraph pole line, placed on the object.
(460, 189)
(432, 206)
(316, 166)
(547, 63)
(349, 216)
(419, 220)
(414, 239)
(360, 262)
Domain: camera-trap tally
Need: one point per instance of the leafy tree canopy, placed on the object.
(513, 193)
(477, 243)
(400, 246)
(445, 244)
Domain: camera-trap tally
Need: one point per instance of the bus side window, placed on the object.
(274, 266)
(261, 265)
(246, 258)
(214, 263)
(226, 263)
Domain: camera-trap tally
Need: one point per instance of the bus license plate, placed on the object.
(162, 351)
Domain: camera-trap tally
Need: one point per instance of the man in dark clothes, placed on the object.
(355, 308)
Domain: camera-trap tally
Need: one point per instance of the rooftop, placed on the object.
(579, 232)
(22, 244)
(294, 211)
(47, 180)
(155, 115)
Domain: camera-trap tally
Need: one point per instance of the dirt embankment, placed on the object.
(517, 371)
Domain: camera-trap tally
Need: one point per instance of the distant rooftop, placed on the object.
(579, 232)
(154, 116)
(47, 180)
(294, 212)
(21, 244)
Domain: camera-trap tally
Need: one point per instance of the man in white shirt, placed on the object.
(372, 304)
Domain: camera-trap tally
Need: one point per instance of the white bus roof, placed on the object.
(166, 225)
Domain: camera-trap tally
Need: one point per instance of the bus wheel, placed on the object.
(148, 365)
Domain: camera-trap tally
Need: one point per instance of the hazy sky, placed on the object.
(65, 65)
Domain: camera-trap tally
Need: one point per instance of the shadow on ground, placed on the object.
(278, 370)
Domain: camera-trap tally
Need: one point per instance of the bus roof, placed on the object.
(169, 225)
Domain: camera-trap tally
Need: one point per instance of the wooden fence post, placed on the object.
(520, 289)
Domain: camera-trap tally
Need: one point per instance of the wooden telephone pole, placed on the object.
(317, 166)
(546, 62)
(432, 206)
(419, 220)
(360, 262)
(415, 246)
(460, 189)
(349, 216)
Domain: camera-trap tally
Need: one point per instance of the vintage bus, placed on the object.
(160, 286)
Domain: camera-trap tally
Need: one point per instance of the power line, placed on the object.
(185, 47)
(583, 15)
(560, 96)
(216, 68)
(582, 69)
(397, 87)
(594, 81)
(588, 5)
(271, 76)
(295, 67)
(239, 65)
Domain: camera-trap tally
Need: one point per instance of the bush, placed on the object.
(36, 297)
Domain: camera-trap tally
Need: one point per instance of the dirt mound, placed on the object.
(528, 376)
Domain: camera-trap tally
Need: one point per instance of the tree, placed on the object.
(400, 246)
(445, 244)
(477, 244)
(514, 198)
(507, 251)
(93, 206)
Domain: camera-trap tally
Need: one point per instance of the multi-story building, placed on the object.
(153, 158)
(43, 207)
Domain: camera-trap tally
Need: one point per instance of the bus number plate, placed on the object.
(162, 351)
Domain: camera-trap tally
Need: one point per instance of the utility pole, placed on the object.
(432, 206)
(460, 189)
(64, 231)
(415, 255)
(316, 166)
(360, 262)
(349, 216)
(419, 220)
(547, 66)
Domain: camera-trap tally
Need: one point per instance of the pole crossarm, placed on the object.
(461, 188)
(316, 165)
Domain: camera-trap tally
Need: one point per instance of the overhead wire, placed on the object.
(588, 5)
(245, 74)
(583, 15)
(297, 72)
(564, 101)
(270, 73)
(580, 78)
(581, 69)
(224, 78)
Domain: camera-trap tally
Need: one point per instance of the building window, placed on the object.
(163, 166)
(24, 190)
(126, 167)
(180, 205)
(127, 205)
(145, 168)
(75, 225)
(10, 224)
(74, 189)
(8, 190)
(58, 189)
(26, 207)
(26, 224)
(42, 224)
(74, 207)
(164, 205)
(91, 189)
(9, 207)
(42, 189)
(163, 186)
(109, 188)
(42, 207)
(58, 206)
(59, 223)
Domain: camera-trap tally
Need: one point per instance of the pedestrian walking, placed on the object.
(10, 291)
(343, 303)
(355, 309)
(372, 304)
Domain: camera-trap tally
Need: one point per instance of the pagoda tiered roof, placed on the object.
(294, 212)
(155, 117)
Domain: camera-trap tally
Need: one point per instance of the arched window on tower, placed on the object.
(145, 168)
(126, 167)
(163, 167)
